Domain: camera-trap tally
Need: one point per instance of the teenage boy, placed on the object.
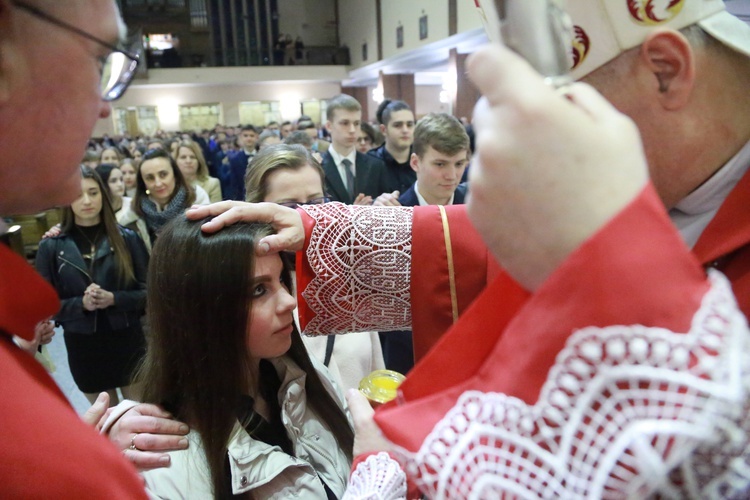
(351, 177)
(397, 125)
(440, 157)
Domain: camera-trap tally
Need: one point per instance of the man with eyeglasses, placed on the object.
(60, 65)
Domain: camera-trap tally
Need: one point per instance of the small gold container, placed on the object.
(381, 386)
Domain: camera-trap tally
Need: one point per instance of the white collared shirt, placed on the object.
(422, 201)
(337, 159)
(694, 212)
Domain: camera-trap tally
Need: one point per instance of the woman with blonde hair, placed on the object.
(288, 174)
(192, 163)
(129, 169)
(110, 155)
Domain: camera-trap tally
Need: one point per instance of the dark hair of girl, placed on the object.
(179, 181)
(120, 249)
(197, 365)
(105, 170)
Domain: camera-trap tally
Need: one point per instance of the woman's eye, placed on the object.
(259, 291)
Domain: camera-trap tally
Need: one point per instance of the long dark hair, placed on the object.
(179, 181)
(197, 364)
(123, 260)
(105, 170)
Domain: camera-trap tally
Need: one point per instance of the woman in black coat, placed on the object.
(99, 271)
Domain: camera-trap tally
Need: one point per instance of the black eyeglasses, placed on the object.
(118, 67)
(314, 201)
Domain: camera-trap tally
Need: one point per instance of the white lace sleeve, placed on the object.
(626, 412)
(379, 477)
(361, 257)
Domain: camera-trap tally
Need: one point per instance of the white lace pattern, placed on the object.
(364, 254)
(626, 411)
(378, 477)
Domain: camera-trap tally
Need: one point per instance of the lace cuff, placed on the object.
(626, 412)
(361, 257)
(379, 477)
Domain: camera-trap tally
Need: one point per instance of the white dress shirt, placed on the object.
(337, 159)
(422, 201)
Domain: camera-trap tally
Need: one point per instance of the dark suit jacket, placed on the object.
(409, 198)
(398, 176)
(370, 178)
(238, 166)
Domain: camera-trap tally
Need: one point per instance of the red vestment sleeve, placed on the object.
(468, 260)
(635, 270)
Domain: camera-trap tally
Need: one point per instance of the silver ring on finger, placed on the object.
(132, 442)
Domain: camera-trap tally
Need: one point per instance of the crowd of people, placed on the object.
(578, 329)
(146, 193)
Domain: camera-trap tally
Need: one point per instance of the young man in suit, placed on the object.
(351, 177)
(441, 153)
(248, 139)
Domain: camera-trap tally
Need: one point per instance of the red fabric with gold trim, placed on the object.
(614, 278)
(432, 311)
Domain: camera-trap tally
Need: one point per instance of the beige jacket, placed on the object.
(266, 471)
(212, 187)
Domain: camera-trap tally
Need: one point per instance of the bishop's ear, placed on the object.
(669, 56)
